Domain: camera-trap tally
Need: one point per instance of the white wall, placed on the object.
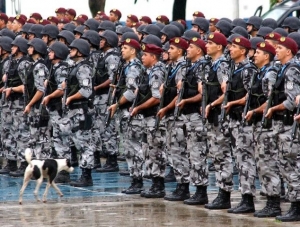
(152, 8)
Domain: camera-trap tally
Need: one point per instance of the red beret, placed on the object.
(198, 14)
(179, 42)
(4, 17)
(71, 12)
(21, 18)
(104, 17)
(273, 36)
(133, 43)
(217, 38)
(151, 48)
(36, 16)
(100, 13)
(31, 21)
(117, 12)
(60, 10)
(44, 22)
(53, 19)
(133, 18)
(163, 19)
(79, 20)
(85, 17)
(199, 43)
(242, 41)
(289, 44)
(11, 19)
(266, 47)
(64, 20)
(213, 20)
(146, 19)
(183, 22)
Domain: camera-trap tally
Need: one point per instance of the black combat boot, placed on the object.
(170, 177)
(20, 171)
(136, 186)
(222, 201)
(11, 166)
(272, 208)
(111, 165)
(293, 213)
(157, 189)
(97, 162)
(199, 198)
(74, 157)
(181, 193)
(63, 177)
(85, 179)
(245, 206)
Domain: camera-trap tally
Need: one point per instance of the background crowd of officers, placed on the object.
(225, 90)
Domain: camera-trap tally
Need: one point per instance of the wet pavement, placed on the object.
(104, 205)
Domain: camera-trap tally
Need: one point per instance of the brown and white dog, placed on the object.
(39, 169)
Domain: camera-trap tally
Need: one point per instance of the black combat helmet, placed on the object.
(82, 46)
(38, 45)
(60, 50)
(111, 38)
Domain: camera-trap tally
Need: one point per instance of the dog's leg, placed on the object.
(46, 192)
(57, 189)
(38, 185)
(25, 183)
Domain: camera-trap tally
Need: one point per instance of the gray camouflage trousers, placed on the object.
(40, 139)
(266, 155)
(220, 151)
(155, 156)
(132, 142)
(196, 146)
(10, 128)
(69, 130)
(245, 159)
(288, 163)
(107, 136)
(178, 149)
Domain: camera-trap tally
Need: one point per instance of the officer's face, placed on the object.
(249, 28)
(45, 38)
(236, 51)
(259, 58)
(51, 55)
(192, 52)
(113, 17)
(174, 53)
(128, 23)
(14, 49)
(102, 43)
(212, 27)
(281, 52)
(211, 48)
(127, 52)
(77, 35)
(73, 53)
(16, 26)
(195, 28)
(30, 50)
(163, 38)
(147, 59)
(60, 16)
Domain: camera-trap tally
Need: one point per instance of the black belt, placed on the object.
(78, 105)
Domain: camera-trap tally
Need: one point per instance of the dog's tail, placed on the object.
(28, 155)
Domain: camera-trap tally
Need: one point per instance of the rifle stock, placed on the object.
(3, 97)
(295, 126)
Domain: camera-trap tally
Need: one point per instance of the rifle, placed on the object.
(204, 92)
(25, 93)
(295, 127)
(162, 98)
(135, 102)
(247, 105)
(5, 83)
(228, 88)
(64, 106)
(112, 91)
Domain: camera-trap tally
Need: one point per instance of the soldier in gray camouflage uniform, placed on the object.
(129, 79)
(106, 70)
(176, 140)
(266, 152)
(79, 117)
(53, 97)
(218, 141)
(39, 133)
(147, 104)
(9, 148)
(284, 109)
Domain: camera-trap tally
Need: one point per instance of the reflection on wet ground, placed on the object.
(104, 205)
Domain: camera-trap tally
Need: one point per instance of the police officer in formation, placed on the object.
(92, 96)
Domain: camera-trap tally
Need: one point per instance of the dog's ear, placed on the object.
(68, 163)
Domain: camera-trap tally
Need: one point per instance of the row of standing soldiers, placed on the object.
(200, 104)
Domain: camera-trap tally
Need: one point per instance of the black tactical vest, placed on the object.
(1, 69)
(73, 83)
(101, 73)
